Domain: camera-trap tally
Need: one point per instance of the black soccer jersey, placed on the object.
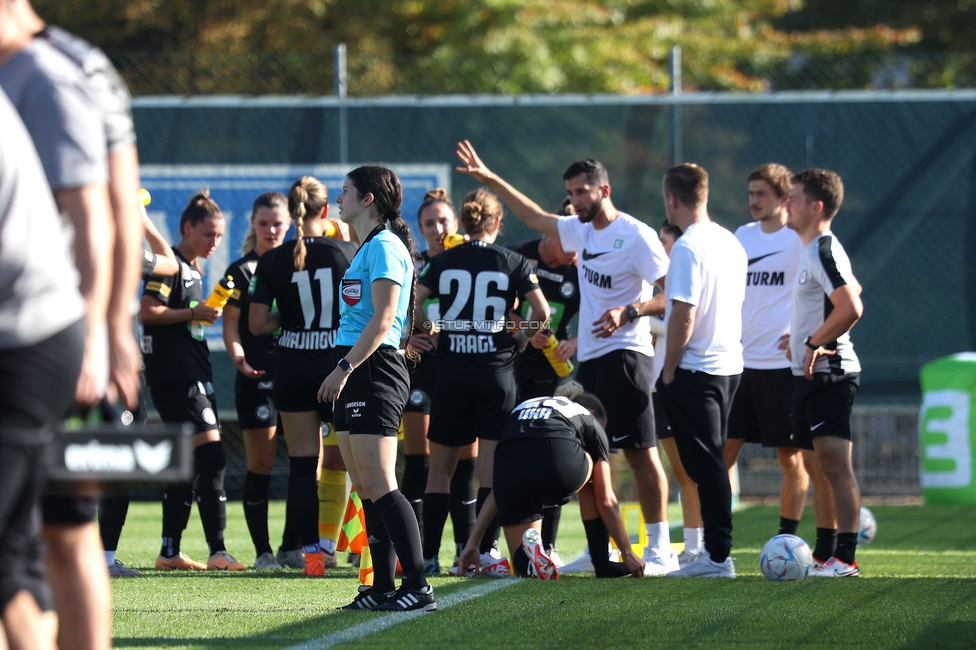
(176, 352)
(258, 350)
(477, 284)
(308, 300)
(557, 417)
(422, 372)
(560, 286)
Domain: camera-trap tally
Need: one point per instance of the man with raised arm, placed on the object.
(620, 259)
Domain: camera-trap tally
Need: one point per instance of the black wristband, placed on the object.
(810, 345)
(632, 313)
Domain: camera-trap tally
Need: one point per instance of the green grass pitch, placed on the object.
(917, 590)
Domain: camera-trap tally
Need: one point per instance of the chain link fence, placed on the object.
(298, 73)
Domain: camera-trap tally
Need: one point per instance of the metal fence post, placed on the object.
(341, 90)
(677, 156)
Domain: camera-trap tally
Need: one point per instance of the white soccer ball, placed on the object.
(785, 558)
(867, 526)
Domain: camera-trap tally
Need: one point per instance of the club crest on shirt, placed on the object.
(352, 291)
(567, 289)
(803, 277)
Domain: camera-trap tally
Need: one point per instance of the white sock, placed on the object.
(328, 545)
(109, 558)
(658, 538)
(693, 539)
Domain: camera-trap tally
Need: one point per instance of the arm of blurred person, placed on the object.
(261, 320)
(471, 556)
(88, 209)
(153, 312)
(125, 359)
(166, 263)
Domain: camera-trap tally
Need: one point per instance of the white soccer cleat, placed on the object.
(267, 562)
(686, 557)
(704, 567)
(834, 568)
(495, 567)
(540, 564)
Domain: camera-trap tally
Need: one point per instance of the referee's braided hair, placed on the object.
(387, 193)
(306, 198)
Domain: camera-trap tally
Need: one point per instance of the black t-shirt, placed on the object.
(557, 417)
(476, 285)
(176, 352)
(308, 300)
(258, 350)
(560, 286)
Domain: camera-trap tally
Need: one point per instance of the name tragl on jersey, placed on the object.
(477, 284)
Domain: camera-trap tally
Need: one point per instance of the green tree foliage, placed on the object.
(469, 46)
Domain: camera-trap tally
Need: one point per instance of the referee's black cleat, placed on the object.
(367, 598)
(408, 599)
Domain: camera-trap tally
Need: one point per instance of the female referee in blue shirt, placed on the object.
(370, 384)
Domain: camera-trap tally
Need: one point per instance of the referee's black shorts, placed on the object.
(762, 409)
(535, 475)
(372, 401)
(622, 380)
(467, 407)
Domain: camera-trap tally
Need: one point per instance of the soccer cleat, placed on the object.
(834, 568)
(686, 557)
(555, 557)
(119, 570)
(655, 565)
(495, 567)
(178, 563)
(540, 564)
(224, 561)
(367, 598)
(314, 564)
(330, 560)
(432, 566)
(704, 567)
(408, 599)
(266, 562)
(293, 559)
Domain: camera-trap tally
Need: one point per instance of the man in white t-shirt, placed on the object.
(620, 259)
(826, 372)
(704, 291)
(762, 410)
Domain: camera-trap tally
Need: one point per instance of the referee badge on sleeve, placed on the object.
(352, 291)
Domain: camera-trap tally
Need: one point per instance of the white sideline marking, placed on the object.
(389, 620)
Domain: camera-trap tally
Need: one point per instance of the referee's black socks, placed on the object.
(211, 498)
(405, 534)
(256, 510)
(380, 549)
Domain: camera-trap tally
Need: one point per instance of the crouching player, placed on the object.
(553, 448)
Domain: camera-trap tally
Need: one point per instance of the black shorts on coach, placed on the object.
(373, 398)
(762, 409)
(622, 380)
(535, 475)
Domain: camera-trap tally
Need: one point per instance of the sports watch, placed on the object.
(632, 313)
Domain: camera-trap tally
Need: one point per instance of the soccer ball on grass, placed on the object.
(785, 558)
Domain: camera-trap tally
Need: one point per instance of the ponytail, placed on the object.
(250, 239)
(307, 197)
